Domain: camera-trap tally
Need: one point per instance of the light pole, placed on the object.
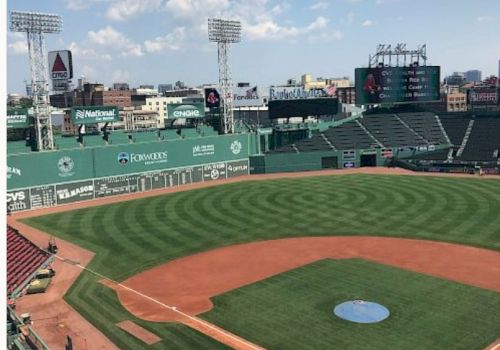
(35, 25)
(225, 32)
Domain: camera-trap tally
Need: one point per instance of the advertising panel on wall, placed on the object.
(302, 107)
(397, 84)
(71, 192)
(75, 192)
(17, 118)
(247, 97)
(33, 169)
(136, 158)
(212, 98)
(185, 110)
(94, 114)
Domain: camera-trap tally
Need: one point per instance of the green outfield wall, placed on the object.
(38, 180)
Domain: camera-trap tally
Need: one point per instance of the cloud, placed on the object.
(121, 75)
(326, 37)
(321, 5)
(171, 41)
(368, 23)
(483, 18)
(122, 10)
(112, 38)
(386, 2)
(18, 47)
(270, 30)
(78, 5)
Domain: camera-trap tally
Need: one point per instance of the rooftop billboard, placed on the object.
(185, 110)
(302, 107)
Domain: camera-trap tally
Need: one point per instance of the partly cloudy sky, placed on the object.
(162, 41)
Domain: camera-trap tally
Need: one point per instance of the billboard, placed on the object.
(212, 98)
(185, 110)
(397, 84)
(484, 96)
(247, 97)
(299, 92)
(60, 65)
(17, 118)
(302, 107)
(94, 114)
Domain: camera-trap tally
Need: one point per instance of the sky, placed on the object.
(162, 41)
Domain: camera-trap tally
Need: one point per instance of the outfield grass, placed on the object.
(294, 310)
(129, 237)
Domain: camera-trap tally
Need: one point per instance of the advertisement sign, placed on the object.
(17, 118)
(299, 92)
(237, 168)
(95, 114)
(397, 84)
(302, 107)
(212, 98)
(185, 110)
(75, 192)
(60, 65)
(214, 171)
(247, 97)
(18, 200)
(485, 96)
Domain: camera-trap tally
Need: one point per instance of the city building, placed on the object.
(121, 86)
(133, 119)
(346, 94)
(182, 92)
(164, 87)
(309, 83)
(338, 82)
(179, 85)
(147, 86)
(159, 106)
(456, 101)
(473, 76)
(456, 79)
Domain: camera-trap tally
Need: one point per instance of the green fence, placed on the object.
(39, 180)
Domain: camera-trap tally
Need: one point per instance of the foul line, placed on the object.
(173, 308)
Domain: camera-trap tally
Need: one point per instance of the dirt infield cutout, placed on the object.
(139, 332)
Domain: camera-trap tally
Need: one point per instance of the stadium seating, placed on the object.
(455, 126)
(375, 130)
(484, 141)
(23, 259)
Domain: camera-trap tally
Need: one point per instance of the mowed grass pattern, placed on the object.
(132, 236)
(294, 310)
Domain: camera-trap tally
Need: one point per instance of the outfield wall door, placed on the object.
(329, 163)
(368, 160)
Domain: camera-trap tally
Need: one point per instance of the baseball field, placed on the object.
(237, 257)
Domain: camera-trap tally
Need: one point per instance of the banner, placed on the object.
(75, 192)
(185, 110)
(299, 92)
(212, 98)
(93, 115)
(17, 118)
(247, 97)
(397, 84)
(485, 96)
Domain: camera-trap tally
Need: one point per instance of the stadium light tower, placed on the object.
(35, 25)
(225, 32)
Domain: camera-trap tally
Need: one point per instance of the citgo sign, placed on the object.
(182, 110)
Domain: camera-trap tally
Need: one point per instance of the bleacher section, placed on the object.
(375, 130)
(455, 127)
(484, 141)
(425, 125)
(23, 259)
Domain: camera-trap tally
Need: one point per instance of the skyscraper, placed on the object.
(473, 75)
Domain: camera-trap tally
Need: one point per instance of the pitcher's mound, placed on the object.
(361, 311)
